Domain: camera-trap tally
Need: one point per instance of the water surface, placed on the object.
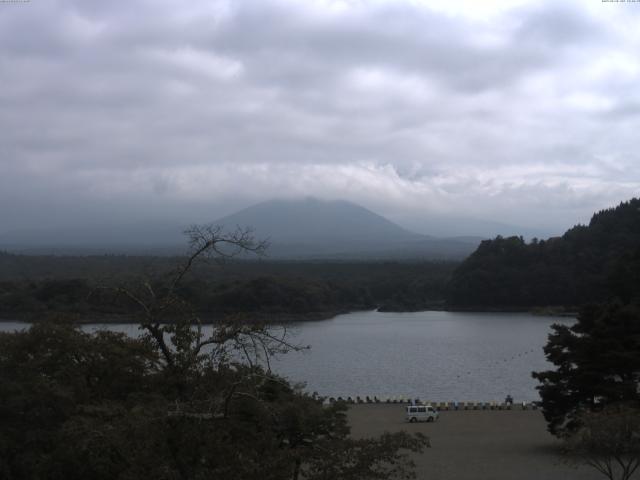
(440, 356)
(437, 356)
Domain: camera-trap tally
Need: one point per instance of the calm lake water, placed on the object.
(437, 356)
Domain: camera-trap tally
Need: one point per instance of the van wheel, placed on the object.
(413, 419)
(430, 419)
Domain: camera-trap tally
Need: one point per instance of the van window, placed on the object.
(422, 409)
(413, 409)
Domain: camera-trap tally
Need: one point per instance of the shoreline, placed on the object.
(208, 319)
(276, 317)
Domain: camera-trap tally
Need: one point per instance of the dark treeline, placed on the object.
(587, 264)
(30, 286)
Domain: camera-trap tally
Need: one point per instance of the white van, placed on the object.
(421, 413)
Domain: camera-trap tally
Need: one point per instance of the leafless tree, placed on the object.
(609, 441)
(176, 327)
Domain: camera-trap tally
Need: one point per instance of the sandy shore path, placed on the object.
(476, 444)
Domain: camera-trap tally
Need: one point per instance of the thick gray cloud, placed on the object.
(174, 110)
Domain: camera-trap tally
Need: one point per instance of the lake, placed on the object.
(433, 355)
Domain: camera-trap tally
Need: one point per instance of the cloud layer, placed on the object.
(162, 109)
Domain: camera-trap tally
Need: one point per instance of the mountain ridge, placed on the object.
(306, 228)
(339, 229)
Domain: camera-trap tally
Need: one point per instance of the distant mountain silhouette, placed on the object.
(297, 229)
(333, 229)
(316, 221)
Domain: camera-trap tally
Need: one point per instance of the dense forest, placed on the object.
(33, 285)
(587, 264)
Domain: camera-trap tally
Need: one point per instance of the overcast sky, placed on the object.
(519, 112)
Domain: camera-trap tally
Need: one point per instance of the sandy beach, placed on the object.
(476, 444)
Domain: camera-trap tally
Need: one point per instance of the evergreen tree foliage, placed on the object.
(597, 363)
(571, 270)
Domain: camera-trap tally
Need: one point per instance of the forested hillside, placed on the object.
(31, 286)
(587, 264)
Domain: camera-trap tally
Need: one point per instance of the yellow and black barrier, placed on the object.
(441, 406)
